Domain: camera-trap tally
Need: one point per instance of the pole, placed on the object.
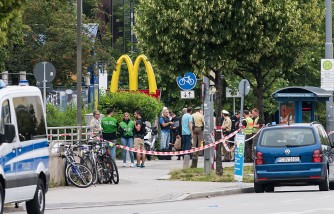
(44, 86)
(242, 93)
(233, 105)
(208, 124)
(329, 55)
(79, 67)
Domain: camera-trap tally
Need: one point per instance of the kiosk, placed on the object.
(297, 103)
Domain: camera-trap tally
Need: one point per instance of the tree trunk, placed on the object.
(218, 85)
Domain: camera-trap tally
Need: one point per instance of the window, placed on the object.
(30, 117)
(5, 115)
(323, 136)
(288, 137)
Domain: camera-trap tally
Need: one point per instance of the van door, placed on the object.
(8, 153)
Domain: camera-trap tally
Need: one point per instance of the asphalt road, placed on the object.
(285, 200)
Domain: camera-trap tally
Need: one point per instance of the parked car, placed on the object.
(293, 154)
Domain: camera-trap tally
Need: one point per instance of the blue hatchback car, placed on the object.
(293, 155)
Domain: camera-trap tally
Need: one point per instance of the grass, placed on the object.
(197, 174)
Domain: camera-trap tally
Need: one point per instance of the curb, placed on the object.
(166, 198)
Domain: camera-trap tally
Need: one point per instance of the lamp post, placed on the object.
(329, 55)
(79, 67)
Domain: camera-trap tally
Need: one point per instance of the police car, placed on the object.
(294, 154)
(24, 162)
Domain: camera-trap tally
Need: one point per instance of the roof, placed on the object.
(301, 92)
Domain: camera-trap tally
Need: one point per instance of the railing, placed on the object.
(65, 134)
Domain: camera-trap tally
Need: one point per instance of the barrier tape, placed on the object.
(184, 152)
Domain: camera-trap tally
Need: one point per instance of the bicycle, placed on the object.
(185, 80)
(110, 162)
(77, 174)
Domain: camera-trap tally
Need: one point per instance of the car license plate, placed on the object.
(287, 159)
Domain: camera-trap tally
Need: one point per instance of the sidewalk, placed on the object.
(141, 185)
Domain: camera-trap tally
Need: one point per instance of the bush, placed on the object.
(55, 117)
(130, 102)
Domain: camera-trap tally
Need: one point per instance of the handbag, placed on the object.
(177, 144)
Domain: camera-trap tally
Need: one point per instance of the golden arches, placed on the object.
(133, 73)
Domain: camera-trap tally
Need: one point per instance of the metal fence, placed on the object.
(65, 135)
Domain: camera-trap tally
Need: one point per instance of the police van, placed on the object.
(24, 162)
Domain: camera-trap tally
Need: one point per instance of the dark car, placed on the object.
(295, 154)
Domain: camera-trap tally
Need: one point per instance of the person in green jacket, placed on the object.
(109, 130)
(126, 131)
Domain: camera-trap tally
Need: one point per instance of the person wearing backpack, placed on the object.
(126, 128)
(139, 133)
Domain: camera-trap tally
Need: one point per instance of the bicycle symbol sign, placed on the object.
(187, 82)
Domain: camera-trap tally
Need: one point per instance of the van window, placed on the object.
(287, 137)
(5, 115)
(30, 117)
(323, 136)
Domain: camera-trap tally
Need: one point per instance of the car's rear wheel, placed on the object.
(269, 188)
(324, 185)
(258, 188)
(37, 204)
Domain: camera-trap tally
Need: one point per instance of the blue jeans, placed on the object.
(165, 138)
(186, 142)
(112, 150)
(129, 143)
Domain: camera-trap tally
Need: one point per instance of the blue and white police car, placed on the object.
(24, 162)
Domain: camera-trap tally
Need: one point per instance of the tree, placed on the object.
(226, 37)
(51, 36)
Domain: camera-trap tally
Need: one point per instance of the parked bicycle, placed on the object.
(76, 173)
(96, 155)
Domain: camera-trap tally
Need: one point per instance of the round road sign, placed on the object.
(244, 87)
(50, 71)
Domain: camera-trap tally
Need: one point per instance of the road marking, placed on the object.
(293, 200)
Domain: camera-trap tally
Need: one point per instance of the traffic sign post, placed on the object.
(44, 72)
(244, 88)
(187, 82)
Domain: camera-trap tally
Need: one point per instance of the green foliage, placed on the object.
(130, 102)
(265, 42)
(51, 36)
(58, 118)
(197, 174)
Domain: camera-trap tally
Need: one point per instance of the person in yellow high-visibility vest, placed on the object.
(247, 129)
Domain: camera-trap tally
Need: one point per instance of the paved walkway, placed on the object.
(141, 185)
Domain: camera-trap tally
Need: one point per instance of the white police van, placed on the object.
(24, 162)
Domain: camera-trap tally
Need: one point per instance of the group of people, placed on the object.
(250, 127)
(131, 133)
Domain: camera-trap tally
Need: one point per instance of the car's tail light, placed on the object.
(259, 158)
(317, 156)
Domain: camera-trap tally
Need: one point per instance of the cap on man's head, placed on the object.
(225, 112)
(198, 108)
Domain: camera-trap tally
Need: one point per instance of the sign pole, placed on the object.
(44, 87)
(208, 125)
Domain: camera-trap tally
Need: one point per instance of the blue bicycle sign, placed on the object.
(187, 82)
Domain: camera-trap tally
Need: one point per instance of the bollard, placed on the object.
(186, 159)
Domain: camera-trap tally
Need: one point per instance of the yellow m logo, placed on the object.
(133, 74)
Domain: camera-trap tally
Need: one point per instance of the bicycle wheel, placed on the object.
(115, 175)
(85, 160)
(104, 171)
(79, 175)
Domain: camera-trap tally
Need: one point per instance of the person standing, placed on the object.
(109, 131)
(126, 131)
(247, 130)
(139, 133)
(165, 125)
(198, 134)
(95, 126)
(183, 112)
(226, 130)
(174, 127)
(187, 129)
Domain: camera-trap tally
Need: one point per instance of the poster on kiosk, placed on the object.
(239, 157)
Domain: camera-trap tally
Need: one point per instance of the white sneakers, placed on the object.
(131, 165)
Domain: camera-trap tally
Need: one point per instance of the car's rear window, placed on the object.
(287, 136)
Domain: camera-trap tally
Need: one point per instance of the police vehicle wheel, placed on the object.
(2, 198)
(37, 204)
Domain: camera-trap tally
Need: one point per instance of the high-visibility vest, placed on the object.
(249, 128)
(256, 129)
